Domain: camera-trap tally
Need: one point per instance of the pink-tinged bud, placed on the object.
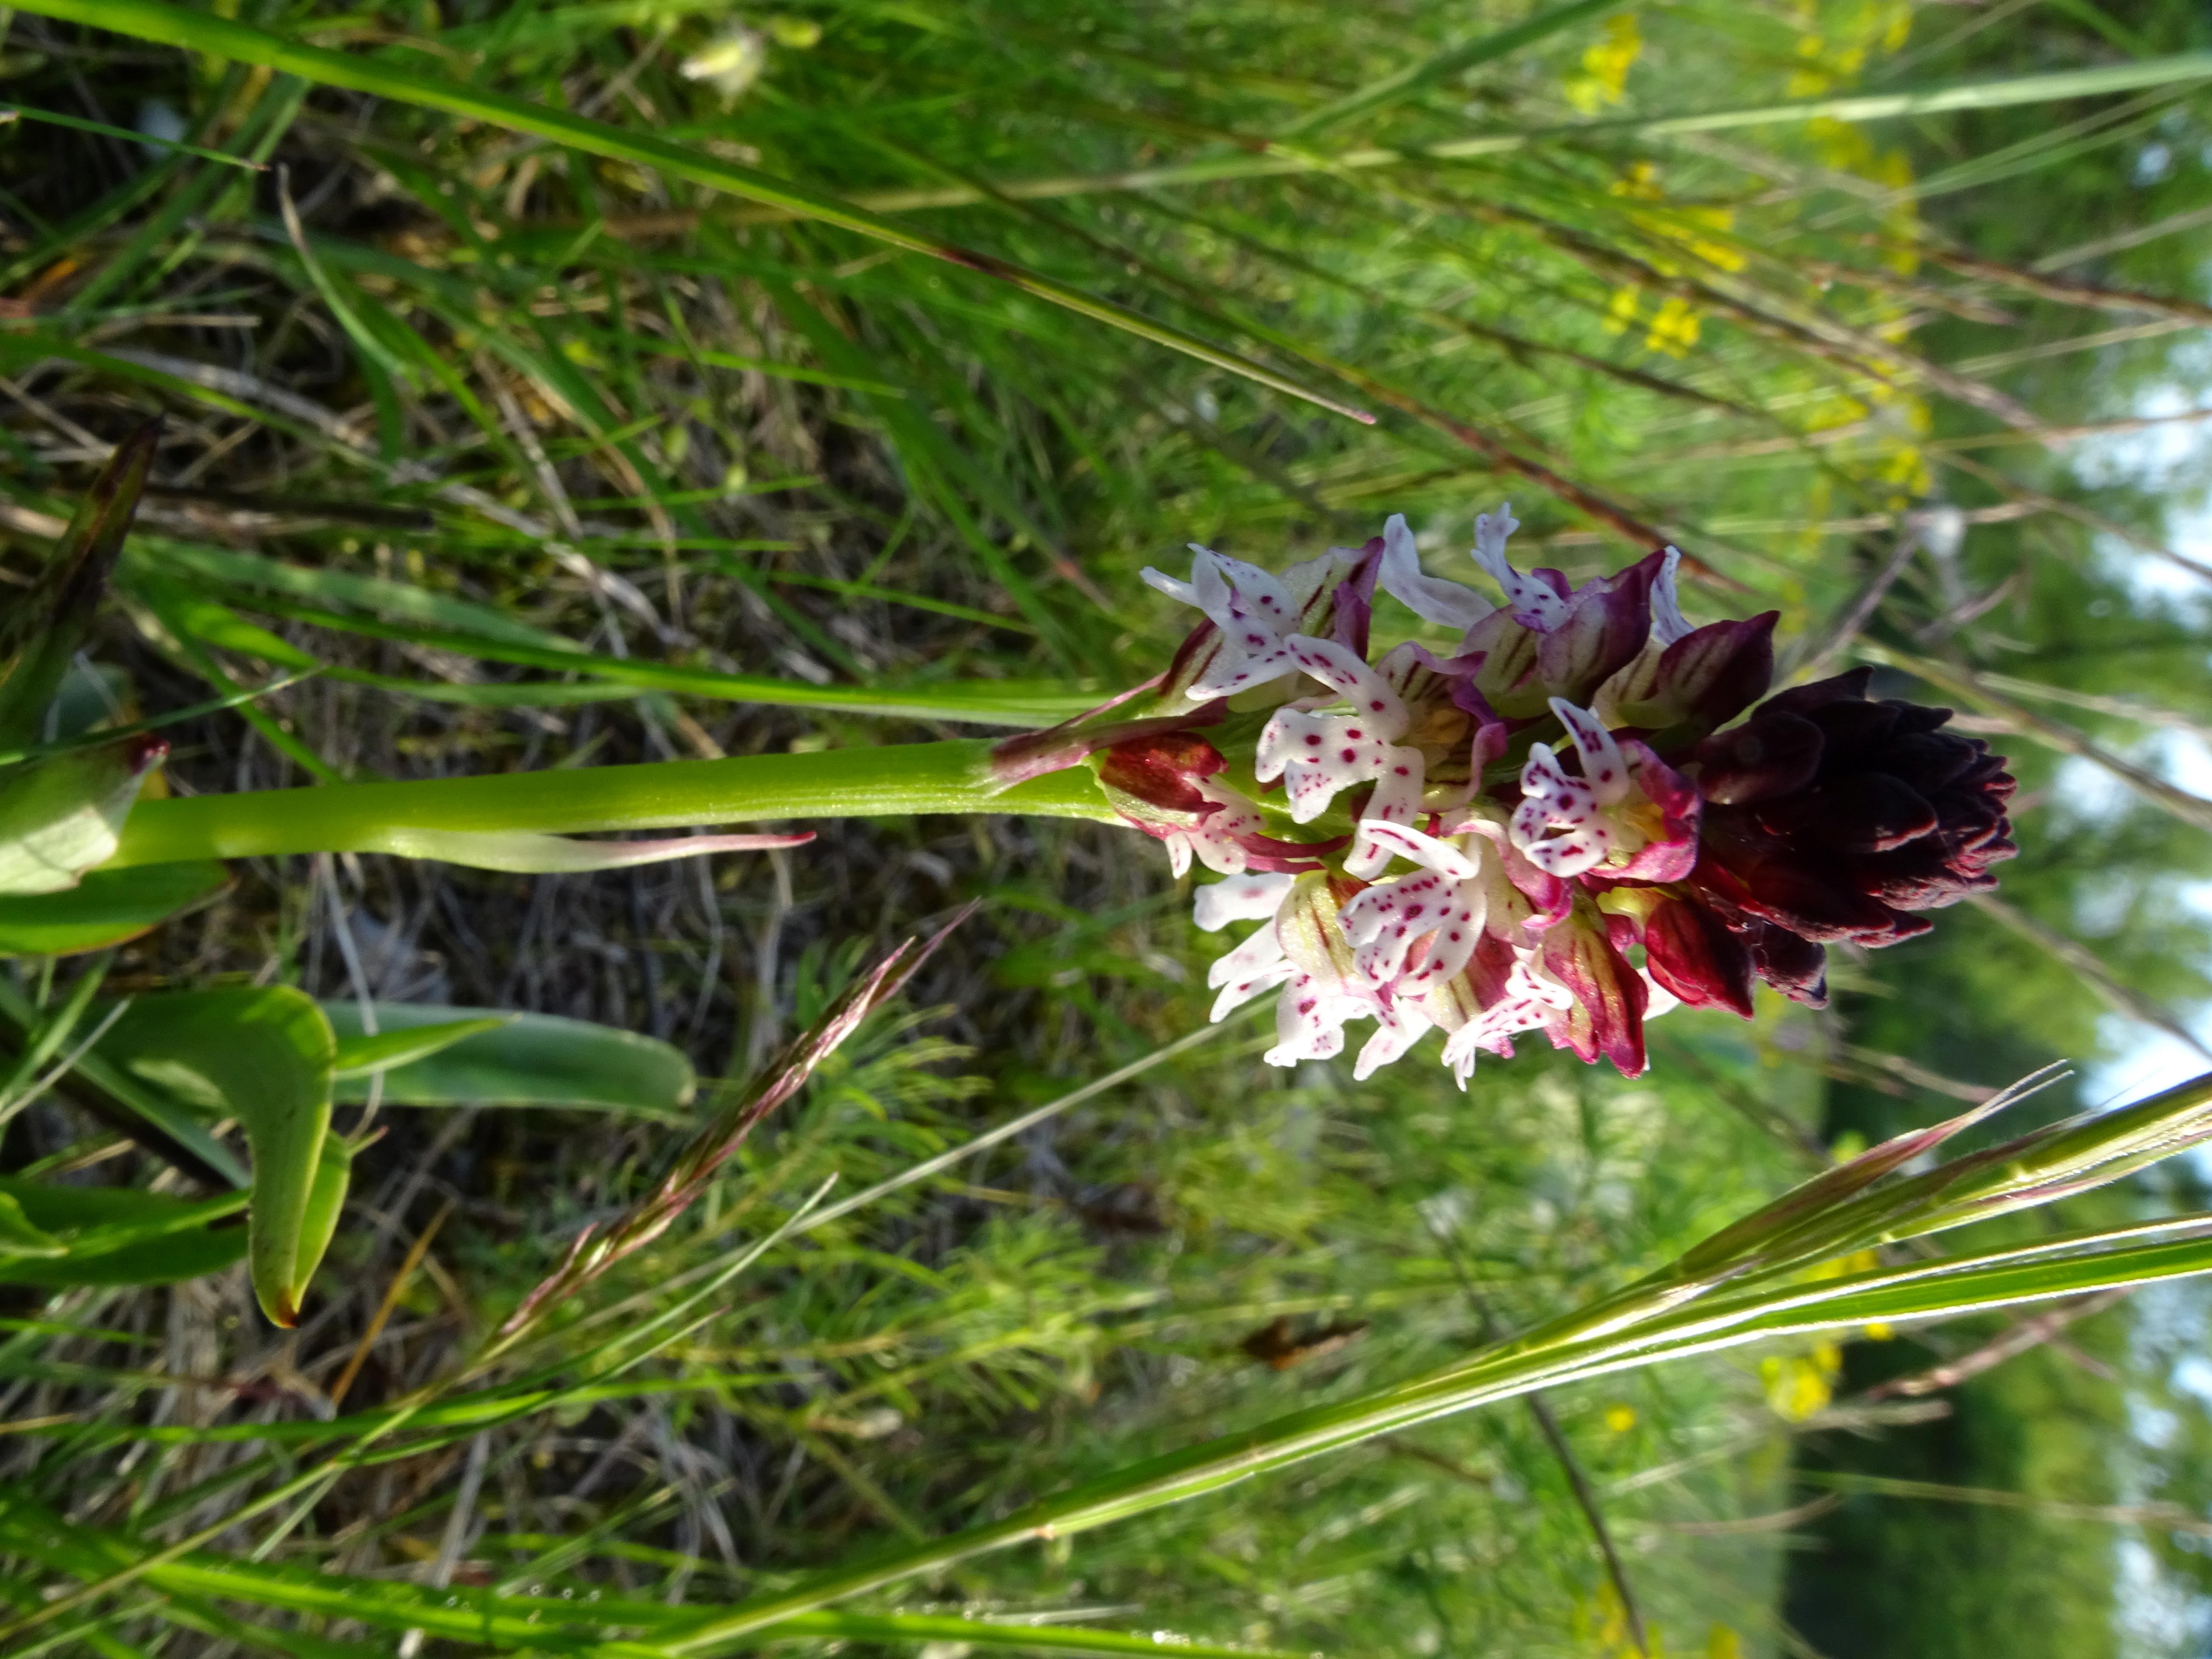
(1607, 1017)
(1354, 598)
(1673, 849)
(1551, 642)
(1166, 784)
(1707, 676)
(1608, 621)
(1162, 770)
(1033, 754)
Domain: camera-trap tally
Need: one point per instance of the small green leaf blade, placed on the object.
(319, 1217)
(262, 1055)
(527, 1060)
(18, 1236)
(116, 1236)
(358, 1056)
(107, 906)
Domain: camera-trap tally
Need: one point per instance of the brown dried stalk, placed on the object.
(595, 1252)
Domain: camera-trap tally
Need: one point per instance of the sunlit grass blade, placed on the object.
(508, 1622)
(152, 140)
(2010, 91)
(984, 702)
(1667, 1323)
(1453, 60)
(503, 1405)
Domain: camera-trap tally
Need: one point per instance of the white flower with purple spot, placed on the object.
(1628, 812)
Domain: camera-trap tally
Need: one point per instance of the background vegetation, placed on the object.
(531, 453)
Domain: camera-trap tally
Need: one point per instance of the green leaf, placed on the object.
(117, 1236)
(357, 1056)
(19, 1238)
(59, 818)
(41, 630)
(129, 1103)
(319, 1217)
(169, 1259)
(263, 1056)
(106, 908)
(522, 1059)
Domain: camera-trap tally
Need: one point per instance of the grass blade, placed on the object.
(220, 37)
(1483, 49)
(2010, 91)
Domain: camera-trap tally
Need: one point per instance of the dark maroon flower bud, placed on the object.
(1691, 951)
(1828, 817)
(1774, 755)
(1795, 966)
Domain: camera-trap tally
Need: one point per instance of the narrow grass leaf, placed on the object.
(177, 26)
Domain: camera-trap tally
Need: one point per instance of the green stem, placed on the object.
(371, 817)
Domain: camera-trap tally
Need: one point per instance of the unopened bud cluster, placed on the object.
(1483, 841)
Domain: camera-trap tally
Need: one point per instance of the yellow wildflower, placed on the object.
(1641, 183)
(1675, 329)
(1604, 79)
(1621, 313)
(1800, 1385)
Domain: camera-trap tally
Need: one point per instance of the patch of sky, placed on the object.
(2167, 1329)
(2154, 1612)
(2173, 461)
(2136, 1059)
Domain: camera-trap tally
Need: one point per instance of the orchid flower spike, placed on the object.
(1536, 818)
